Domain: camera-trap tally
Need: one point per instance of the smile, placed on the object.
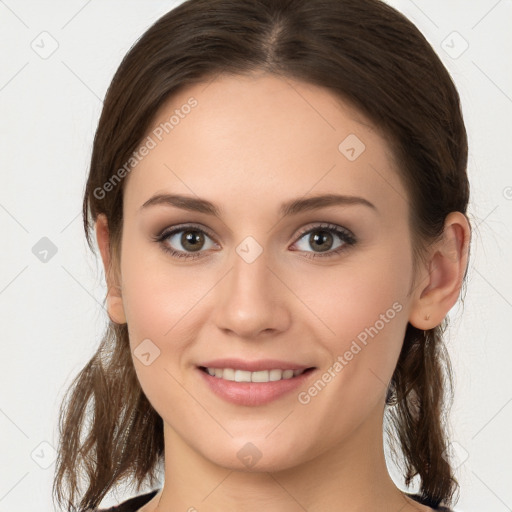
(247, 376)
(253, 388)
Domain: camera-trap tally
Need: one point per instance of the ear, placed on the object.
(441, 280)
(115, 307)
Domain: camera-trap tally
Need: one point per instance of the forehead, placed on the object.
(265, 136)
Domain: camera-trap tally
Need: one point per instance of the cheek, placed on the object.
(363, 321)
(353, 296)
(159, 303)
(157, 296)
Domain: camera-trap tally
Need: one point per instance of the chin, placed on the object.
(258, 455)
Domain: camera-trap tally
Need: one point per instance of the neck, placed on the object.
(351, 476)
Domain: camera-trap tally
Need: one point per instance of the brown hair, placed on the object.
(370, 56)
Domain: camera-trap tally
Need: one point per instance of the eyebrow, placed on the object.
(286, 209)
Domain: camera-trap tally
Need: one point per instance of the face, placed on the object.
(323, 287)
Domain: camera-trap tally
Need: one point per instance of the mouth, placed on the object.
(255, 387)
(261, 376)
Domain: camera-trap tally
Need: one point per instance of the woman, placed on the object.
(278, 190)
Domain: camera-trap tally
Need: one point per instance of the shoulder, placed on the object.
(131, 505)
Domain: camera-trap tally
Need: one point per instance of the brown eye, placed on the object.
(192, 240)
(323, 239)
(184, 241)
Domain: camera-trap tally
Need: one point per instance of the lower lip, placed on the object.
(253, 393)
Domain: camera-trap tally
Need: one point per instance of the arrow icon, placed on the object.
(247, 252)
(351, 147)
(454, 44)
(44, 455)
(146, 352)
(44, 44)
(44, 250)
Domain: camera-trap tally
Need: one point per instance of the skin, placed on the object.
(249, 145)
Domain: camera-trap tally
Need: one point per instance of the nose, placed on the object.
(252, 300)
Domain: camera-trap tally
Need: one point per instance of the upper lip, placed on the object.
(254, 366)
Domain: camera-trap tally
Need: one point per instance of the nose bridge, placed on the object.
(250, 273)
(250, 299)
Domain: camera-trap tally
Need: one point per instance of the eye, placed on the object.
(322, 237)
(190, 238)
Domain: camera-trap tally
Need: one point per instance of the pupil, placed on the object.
(193, 239)
(322, 238)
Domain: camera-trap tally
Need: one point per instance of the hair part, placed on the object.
(371, 57)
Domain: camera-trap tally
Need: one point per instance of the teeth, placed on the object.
(246, 376)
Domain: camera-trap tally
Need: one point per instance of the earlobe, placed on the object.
(115, 306)
(115, 309)
(442, 280)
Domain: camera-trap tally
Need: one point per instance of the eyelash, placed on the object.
(344, 234)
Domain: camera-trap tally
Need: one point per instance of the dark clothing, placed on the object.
(134, 504)
(417, 498)
(131, 505)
